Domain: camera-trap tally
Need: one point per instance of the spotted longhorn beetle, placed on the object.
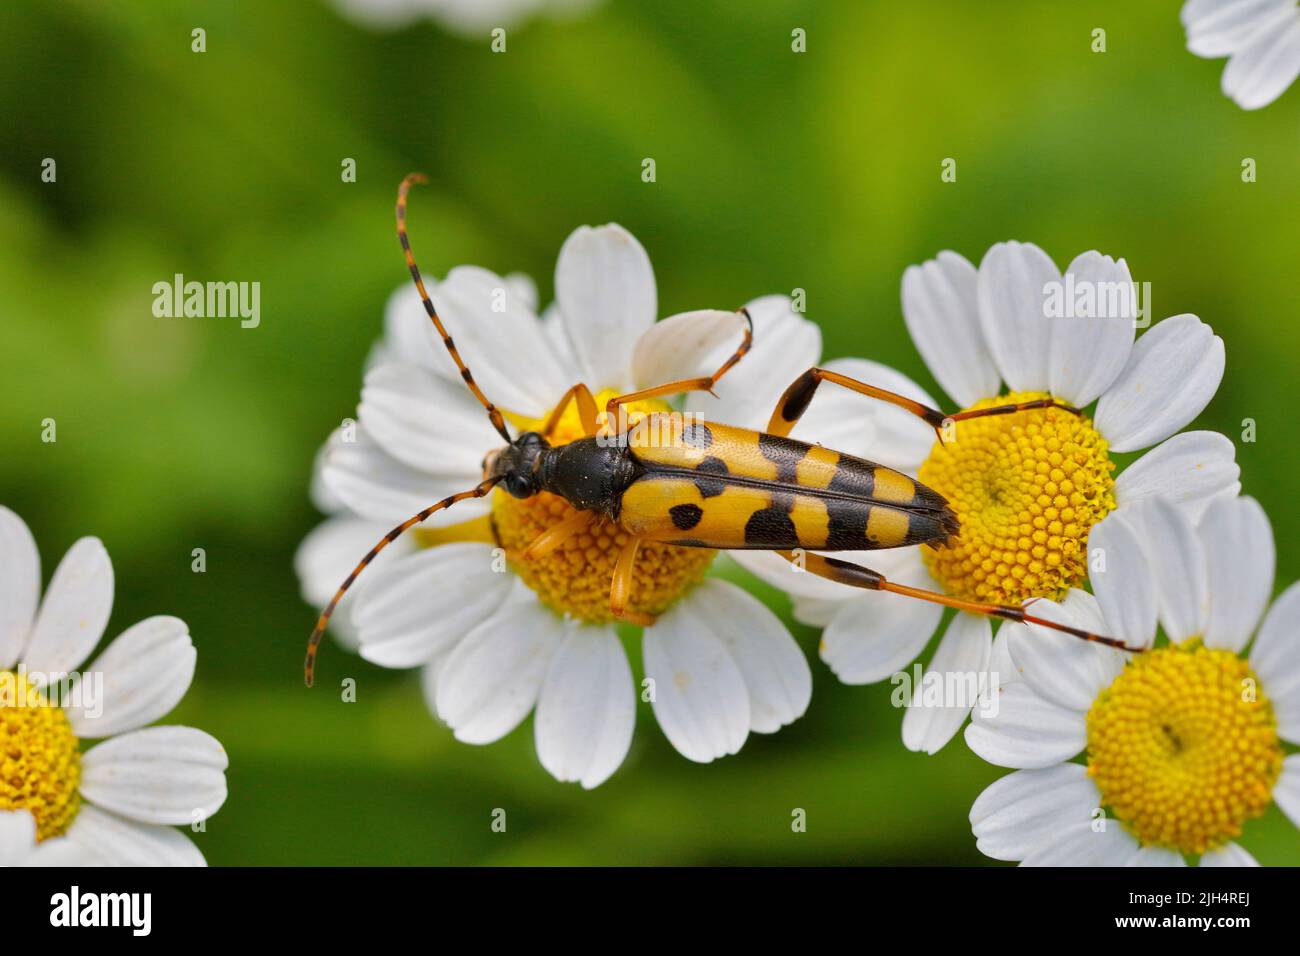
(713, 485)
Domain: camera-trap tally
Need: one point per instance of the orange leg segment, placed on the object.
(799, 395)
(855, 575)
(703, 384)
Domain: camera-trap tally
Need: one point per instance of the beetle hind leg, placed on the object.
(855, 575)
(620, 588)
(795, 400)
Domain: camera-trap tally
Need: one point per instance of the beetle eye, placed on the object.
(518, 485)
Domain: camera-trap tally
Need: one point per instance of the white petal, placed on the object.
(961, 662)
(162, 775)
(605, 289)
(876, 635)
(1218, 28)
(682, 346)
(1239, 548)
(1027, 731)
(1088, 351)
(1191, 469)
(523, 288)
(587, 708)
(74, 612)
(1260, 72)
(426, 602)
(380, 488)
(941, 309)
(145, 672)
(1013, 281)
(1061, 668)
(490, 681)
(774, 669)
(814, 612)
(700, 697)
(20, 586)
(1171, 375)
(1024, 809)
(1156, 856)
(1230, 854)
(1178, 566)
(17, 836)
(429, 675)
(122, 842)
(410, 336)
(785, 346)
(62, 852)
(854, 424)
(1276, 659)
(1286, 793)
(1123, 581)
(429, 423)
(1082, 845)
(1002, 669)
(502, 341)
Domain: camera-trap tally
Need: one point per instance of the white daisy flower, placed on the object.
(1182, 745)
(469, 18)
(119, 800)
(496, 638)
(1261, 39)
(1026, 487)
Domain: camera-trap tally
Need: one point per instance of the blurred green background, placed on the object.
(775, 171)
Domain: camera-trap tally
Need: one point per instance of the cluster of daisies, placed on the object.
(1154, 757)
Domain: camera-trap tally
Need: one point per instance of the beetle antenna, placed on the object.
(313, 643)
(498, 422)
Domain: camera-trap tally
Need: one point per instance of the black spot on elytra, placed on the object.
(785, 453)
(697, 435)
(686, 517)
(711, 487)
(770, 528)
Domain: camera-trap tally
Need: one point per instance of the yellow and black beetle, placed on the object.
(705, 485)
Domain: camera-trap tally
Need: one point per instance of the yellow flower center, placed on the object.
(1183, 746)
(575, 578)
(1027, 488)
(40, 762)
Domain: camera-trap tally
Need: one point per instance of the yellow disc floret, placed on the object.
(40, 763)
(575, 578)
(1027, 488)
(1183, 746)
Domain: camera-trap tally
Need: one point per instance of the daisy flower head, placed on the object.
(1026, 487)
(118, 801)
(468, 18)
(499, 633)
(1260, 38)
(1163, 757)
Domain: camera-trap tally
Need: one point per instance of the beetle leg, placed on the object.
(702, 384)
(580, 394)
(855, 575)
(556, 535)
(313, 643)
(620, 588)
(797, 397)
